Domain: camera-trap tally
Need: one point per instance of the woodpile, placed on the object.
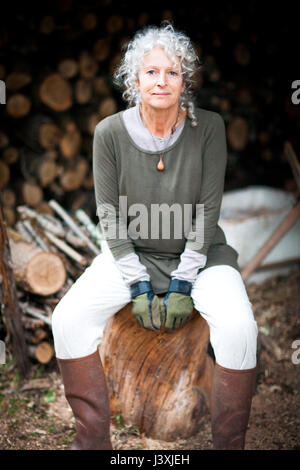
(50, 115)
(59, 86)
(48, 253)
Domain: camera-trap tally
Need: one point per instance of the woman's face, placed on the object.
(159, 82)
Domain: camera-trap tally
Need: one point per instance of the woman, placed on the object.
(161, 150)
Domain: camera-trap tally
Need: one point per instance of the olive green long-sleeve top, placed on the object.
(193, 177)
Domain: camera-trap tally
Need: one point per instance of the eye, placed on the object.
(151, 72)
(173, 73)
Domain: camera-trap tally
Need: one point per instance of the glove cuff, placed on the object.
(180, 286)
(140, 287)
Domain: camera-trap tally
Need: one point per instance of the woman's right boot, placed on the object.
(86, 392)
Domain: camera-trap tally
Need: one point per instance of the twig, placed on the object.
(65, 248)
(36, 238)
(70, 222)
(22, 230)
(90, 226)
(36, 313)
(46, 221)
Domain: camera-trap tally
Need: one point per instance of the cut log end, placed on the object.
(43, 352)
(45, 273)
(56, 92)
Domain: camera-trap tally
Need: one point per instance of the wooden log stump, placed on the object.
(159, 382)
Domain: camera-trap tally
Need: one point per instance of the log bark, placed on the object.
(9, 302)
(160, 383)
(4, 174)
(34, 270)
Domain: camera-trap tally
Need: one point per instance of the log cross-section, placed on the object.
(35, 270)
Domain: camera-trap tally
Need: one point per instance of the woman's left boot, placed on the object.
(232, 393)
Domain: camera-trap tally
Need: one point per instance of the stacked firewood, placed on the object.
(48, 154)
(48, 253)
(58, 78)
(52, 108)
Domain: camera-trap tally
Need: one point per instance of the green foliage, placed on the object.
(49, 396)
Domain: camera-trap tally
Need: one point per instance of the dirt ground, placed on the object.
(35, 415)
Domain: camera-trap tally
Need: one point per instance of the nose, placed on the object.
(161, 79)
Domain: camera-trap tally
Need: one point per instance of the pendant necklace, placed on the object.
(161, 166)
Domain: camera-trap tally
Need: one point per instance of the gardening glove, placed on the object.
(178, 304)
(146, 307)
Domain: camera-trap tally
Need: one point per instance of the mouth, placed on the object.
(161, 94)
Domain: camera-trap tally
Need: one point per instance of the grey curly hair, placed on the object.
(176, 45)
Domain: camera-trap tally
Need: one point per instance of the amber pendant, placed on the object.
(160, 166)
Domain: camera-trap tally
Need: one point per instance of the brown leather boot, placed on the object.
(86, 392)
(232, 393)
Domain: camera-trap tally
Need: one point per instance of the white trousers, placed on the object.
(218, 293)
